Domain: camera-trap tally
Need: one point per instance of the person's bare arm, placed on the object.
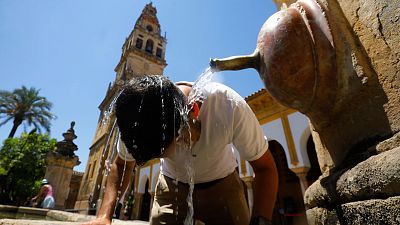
(120, 169)
(265, 187)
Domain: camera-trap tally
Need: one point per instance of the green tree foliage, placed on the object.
(22, 166)
(25, 105)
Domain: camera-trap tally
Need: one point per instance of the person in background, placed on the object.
(158, 119)
(48, 201)
(45, 193)
(38, 199)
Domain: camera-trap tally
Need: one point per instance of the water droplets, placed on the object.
(196, 95)
(107, 113)
(205, 78)
(164, 125)
(136, 123)
(190, 172)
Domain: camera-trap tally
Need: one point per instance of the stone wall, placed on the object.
(366, 109)
(362, 184)
(375, 26)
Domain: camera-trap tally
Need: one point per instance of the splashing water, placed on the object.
(205, 78)
(107, 113)
(194, 96)
(189, 199)
(164, 126)
(113, 132)
(103, 154)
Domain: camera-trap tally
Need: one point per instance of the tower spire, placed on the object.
(144, 49)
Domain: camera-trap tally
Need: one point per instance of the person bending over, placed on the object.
(160, 119)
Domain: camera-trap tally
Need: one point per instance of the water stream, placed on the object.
(195, 95)
(190, 172)
(205, 78)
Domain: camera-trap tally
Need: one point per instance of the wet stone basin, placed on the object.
(12, 215)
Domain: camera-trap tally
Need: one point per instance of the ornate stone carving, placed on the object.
(67, 147)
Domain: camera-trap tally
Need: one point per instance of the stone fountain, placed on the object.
(60, 166)
(337, 61)
(58, 172)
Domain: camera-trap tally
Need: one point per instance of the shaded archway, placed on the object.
(289, 204)
(315, 170)
(145, 206)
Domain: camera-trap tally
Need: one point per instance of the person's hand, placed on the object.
(98, 221)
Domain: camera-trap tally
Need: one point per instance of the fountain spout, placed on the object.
(295, 57)
(236, 62)
(296, 60)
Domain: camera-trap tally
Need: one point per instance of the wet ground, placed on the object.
(11, 215)
(47, 222)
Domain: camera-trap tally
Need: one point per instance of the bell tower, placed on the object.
(144, 49)
(143, 53)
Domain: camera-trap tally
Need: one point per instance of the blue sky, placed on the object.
(69, 49)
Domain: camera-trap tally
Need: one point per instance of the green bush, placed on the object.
(22, 166)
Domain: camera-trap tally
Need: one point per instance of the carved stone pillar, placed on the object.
(60, 166)
(152, 200)
(58, 173)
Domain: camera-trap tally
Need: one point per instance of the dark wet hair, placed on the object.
(148, 115)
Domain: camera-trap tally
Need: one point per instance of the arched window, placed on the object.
(149, 46)
(159, 52)
(139, 43)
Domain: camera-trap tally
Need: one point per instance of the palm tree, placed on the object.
(25, 105)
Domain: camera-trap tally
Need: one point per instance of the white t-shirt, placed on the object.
(226, 122)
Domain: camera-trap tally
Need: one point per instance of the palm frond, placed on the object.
(6, 121)
(26, 105)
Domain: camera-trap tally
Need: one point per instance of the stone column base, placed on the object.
(377, 211)
(366, 193)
